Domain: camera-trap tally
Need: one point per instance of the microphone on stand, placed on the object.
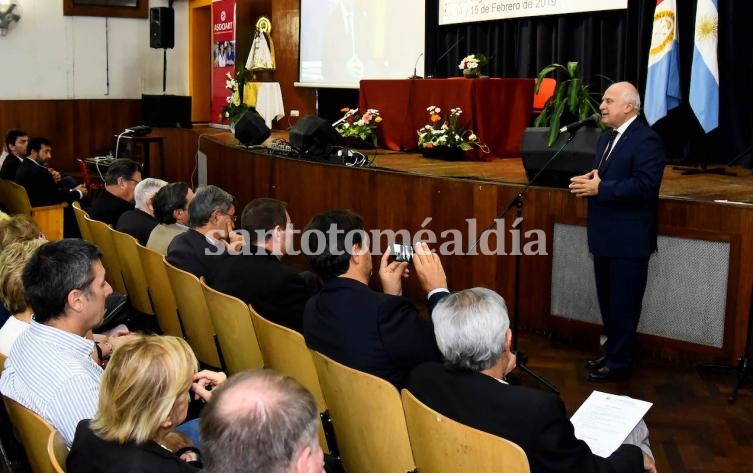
(575, 126)
(444, 54)
(414, 76)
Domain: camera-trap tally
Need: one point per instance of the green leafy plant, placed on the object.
(572, 98)
(235, 107)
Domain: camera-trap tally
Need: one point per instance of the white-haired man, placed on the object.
(473, 333)
(139, 222)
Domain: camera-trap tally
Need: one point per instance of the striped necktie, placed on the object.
(612, 136)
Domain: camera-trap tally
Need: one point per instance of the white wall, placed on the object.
(50, 56)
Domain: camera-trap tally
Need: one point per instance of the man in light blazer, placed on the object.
(623, 193)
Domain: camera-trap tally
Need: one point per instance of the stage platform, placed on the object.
(699, 301)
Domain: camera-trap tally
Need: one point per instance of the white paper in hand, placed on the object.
(605, 420)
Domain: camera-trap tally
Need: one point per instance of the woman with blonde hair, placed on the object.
(12, 261)
(144, 395)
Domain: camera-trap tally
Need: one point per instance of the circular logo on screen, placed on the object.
(223, 15)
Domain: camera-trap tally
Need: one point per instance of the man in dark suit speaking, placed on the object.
(473, 333)
(622, 191)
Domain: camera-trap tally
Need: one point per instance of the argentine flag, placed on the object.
(704, 76)
(663, 78)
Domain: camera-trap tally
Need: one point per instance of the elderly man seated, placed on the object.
(473, 334)
(140, 221)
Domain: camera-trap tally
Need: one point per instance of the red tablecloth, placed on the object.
(498, 110)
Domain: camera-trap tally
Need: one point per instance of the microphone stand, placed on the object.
(517, 202)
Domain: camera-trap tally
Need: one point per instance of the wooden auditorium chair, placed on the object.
(133, 273)
(285, 350)
(441, 445)
(57, 452)
(101, 234)
(34, 433)
(368, 419)
(81, 219)
(160, 291)
(15, 200)
(231, 317)
(194, 315)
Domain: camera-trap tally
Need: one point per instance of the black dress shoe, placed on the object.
(596, 363)
(606, 374)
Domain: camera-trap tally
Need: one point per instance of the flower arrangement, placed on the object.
(447, 131)
(472, 63)
(359, 126)
(235, 107)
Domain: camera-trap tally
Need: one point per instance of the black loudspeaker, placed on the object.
(166, 111)
(161, 27)
(577, 157)
(251, 129)
(313, 136)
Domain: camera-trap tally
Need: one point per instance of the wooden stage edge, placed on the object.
(737, 189)
(402, 190)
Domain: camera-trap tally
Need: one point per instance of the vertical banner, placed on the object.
(663, 77)
(223, 55)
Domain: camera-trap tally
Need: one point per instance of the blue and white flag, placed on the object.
(663, 78)
(704, 76)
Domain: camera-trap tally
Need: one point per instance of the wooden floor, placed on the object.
(701, 187)
(692, 426)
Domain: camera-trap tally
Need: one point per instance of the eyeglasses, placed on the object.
(131, 179)
(234, 218)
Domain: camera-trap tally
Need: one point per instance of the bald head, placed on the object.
(620, 103)
(260, 421)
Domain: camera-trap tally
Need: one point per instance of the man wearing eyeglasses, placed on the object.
(117, 198)
(211, 218)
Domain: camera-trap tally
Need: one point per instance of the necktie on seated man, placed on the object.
(612, 136)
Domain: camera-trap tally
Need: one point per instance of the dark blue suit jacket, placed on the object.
(622, 218)
(534, 420)
(41, 186)
(368, 330)
(192, 252)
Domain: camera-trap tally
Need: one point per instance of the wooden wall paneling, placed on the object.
(77, 128)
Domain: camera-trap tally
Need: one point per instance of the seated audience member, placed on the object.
(472, 331)
(12, 229)
(44, 186)
(171, 212)
(50, 369)
(18, 228)
(12, 261)
(261, 421)
(39, 182)
(258, 277)
(144, 394)
(120, 182)
(379, 333)
(204, 246)
(16, 141)
(140, 221)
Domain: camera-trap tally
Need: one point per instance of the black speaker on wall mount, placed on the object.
(251, 129)
(161, 28)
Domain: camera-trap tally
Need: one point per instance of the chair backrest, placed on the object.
(81, 219)
(14, 197)
(133, 273)
(546, 89)
(160, 291)
(102, 235)
(194, 314)
(57, 452)
(49, 218)
(231, 317)
(368, 418)
(2, 361)
(33, 432)
(285, 350)
(442, 445)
